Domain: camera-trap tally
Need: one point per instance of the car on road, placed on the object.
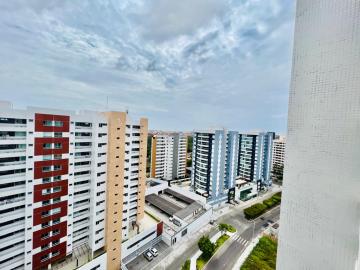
(148, 255)
(270, 221)
(171, 219)
(153, 251)
(212, 222)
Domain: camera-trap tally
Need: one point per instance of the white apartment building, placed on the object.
(168, 155)
(54, 177)
(320, 207)
(278, 151)
(214, 166)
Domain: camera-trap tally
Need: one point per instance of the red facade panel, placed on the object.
(37, 258)
(39, 167)
(40, 148)
(38, 190)
(159, 228)
(37, 236)
(41, 124)
(39, 218)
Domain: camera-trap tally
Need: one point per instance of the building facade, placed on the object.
(214, 165)
(320, 217)
(278, 151)
(255, 157)
(56, 198)
(168, 156)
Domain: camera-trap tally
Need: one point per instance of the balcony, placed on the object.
(12, 227)
(13, 190)
(13, 152)
(12, 252)
(18, 261)
(16, 238)
(12, 138)
(15, 165)
(14, 202)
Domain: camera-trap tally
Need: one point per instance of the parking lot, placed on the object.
(140, 263)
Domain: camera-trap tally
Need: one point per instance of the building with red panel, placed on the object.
(56, 201)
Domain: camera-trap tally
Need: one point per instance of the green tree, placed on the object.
(206, 246)
(223, 227)
(277, 173)
(189, 144)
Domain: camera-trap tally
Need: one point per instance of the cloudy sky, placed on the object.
(189, 64)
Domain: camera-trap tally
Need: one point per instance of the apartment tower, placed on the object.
(64, 178)
(320, 211)
(168, 155)
(278, 151)
(214, 166)
(255, 155)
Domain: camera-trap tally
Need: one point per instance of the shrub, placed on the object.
(258, 209)
(206, 246)
(263, 256)
(221, 240)
(186, 265)
(255, 210)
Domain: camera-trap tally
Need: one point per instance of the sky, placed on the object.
(185, 65)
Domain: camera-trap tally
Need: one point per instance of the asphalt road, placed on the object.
(236, 218)
(227, 256)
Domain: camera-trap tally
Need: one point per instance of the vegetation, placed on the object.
(206, 246)
(263, 256)
(186, 265)
(277, 173)
(189, 144)
(226, 227)
(221, 240)
(258, 209)
(188, 162)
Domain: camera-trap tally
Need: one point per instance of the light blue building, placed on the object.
(214, 167)
(255, 157)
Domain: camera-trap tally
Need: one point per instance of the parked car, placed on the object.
(212, 222)
(171, 219)
(153, 251)
(148, 255)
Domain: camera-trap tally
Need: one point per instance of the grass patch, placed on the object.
(221, 240)
(258, 209)
(263, 256)
(200, 263)
(202, 260)
(186, 265)
(226, 227)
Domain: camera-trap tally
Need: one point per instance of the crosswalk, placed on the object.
(240, 240)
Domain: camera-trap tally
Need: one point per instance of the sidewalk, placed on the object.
(227, 209)
(248, 249)
(198, 252)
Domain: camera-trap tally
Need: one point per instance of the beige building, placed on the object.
(168, 156)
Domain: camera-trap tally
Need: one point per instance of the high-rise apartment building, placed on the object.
(255, 155)
(168, 155)
(70, 187)
(320, 217)
(278, 151)
(214, 165)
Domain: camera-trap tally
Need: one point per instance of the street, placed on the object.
(227, 256)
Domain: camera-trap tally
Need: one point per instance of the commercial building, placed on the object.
(183, 212)
(168, 156)
(255, 155)
(214, 164)
(71, 186)
(278, 151)
(320, 217)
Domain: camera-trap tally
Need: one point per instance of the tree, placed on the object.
(277, 173)
(206, 246)
(223, 227)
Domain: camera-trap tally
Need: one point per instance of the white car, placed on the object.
(153, 251)
(148, 255)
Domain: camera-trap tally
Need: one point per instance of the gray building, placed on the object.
(320, 209)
